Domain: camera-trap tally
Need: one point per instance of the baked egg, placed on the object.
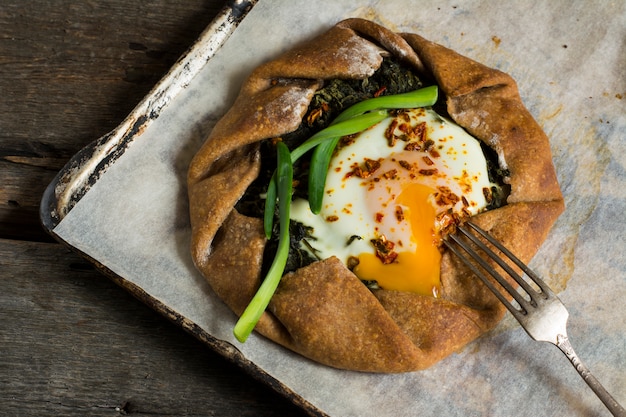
(391, 192)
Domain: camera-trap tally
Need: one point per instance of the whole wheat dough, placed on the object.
(323, 311)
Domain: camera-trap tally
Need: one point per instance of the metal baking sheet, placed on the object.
(122, 201)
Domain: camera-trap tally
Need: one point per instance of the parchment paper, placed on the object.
(568, 59)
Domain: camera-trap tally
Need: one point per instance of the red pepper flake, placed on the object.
(390, 133)
(419, 131)
(347, 140)
(428, 161)
(399, 213)
(428, 145)
(413, 146)
(406, 129)
(378, 217)
(331, 219)
(317, 113)
(380, 91)
(428, 172)
(447, 222)
(445, 197)
(488, 194)
(313, 116)
(369, 167)
(391, 174)
(384, 250)
(405, 164)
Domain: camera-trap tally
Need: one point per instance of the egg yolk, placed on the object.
(415, 271)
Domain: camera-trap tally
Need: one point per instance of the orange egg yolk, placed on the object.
(415, 271)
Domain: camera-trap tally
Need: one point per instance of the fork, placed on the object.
(537, 308)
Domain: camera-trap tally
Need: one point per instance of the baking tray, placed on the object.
(85, 206)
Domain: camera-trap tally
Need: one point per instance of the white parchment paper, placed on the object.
(569, 61)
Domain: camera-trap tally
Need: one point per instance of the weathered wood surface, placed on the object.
(72, 343)
(75, 344)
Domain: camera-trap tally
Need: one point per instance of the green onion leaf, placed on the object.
(258, 304)
(318, 171)
(346, 127)
(423, 97)
(270, 206)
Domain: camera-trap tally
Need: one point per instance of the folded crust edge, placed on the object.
(323, 311)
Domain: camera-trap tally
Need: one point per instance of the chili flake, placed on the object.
(365, 171)
(428, 172)
(399, 213)
(384, 250)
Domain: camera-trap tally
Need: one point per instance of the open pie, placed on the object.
(323, 311)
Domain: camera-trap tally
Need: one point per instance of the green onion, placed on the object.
(258, 304)
(270, 206)
(346, 127)
(423, 97)
(318, 171)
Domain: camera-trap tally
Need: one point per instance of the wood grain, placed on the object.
(73, 343)
(71, 71)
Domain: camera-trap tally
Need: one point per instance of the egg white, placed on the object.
(357, 209)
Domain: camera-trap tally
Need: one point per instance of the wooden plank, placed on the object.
(74, 344)
(71, 72)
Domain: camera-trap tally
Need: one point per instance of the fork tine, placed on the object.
(478, 272)
(517, 312)
(503, 264)
(545, 290)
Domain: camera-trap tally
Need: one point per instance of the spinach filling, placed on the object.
(393, 77)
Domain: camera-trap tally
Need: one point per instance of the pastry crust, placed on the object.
(323, 311)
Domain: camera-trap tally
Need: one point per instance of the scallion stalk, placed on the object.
(423, 97)
(346, 127)
(270, 206)
(318, 171)
(258, 304)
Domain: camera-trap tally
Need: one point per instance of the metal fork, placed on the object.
(539, 310)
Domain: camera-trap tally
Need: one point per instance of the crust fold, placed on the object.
(323, 311)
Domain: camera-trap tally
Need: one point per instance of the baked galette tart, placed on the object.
(319, 201)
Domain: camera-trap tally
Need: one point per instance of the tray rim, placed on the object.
(83, 169)
(87, 166)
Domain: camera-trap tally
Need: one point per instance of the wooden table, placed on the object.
(72, 343)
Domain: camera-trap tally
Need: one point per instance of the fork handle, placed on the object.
(614, 407)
